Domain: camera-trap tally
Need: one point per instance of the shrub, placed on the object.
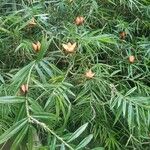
(74, 74)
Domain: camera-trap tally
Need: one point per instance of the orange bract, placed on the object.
(89, 74)
(70, 48)
(79, 20)
(32, 22)
(122, 35)
(36, 46)
(24, 88)
(131, 59)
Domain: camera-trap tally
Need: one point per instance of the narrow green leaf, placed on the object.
(30, 139)
(137, 115)
(78, 132)
(131, 91)
(124, 107)
(1, 79)
(118, 114)
(98, 148)
(52, 143)
(21, 76)
(130, 112)
(11, 99)
(62, 147)
(115, 72)
(19, 138)
(35, 106)
(84, 142)
(12, 130)
(40, 73)
(46, 68)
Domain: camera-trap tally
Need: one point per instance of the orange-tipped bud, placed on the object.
(32, 23)
(122, 35)
(79, 20)
(69, 48)
(89, 74)
(36, 46)
(131, 59)
(24, 88)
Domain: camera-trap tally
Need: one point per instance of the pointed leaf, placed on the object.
(62, 147)
(11, 99)
(19, 138)
(12, 130)
(84, 142)
(98, 148)
(78, 132)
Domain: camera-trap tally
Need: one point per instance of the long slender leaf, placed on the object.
(11, 99)
(12, 130)
(84, 142)
(78, 132)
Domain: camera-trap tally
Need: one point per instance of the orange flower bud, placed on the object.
(70, 48)
(32, 23)
(36, 46)
(79, 20)
(131, 59)
(122, 35)
(89, 74)
(24, 88)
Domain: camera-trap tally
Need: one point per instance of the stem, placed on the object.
(29, 75)
(68, 71)
(43, 125)
(27, 109)
(26, 99)
(128, 140)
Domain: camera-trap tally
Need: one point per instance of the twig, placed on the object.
(43, 125)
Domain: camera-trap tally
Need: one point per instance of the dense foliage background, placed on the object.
(97, 96)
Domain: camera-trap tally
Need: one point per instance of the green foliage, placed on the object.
(48, 102)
